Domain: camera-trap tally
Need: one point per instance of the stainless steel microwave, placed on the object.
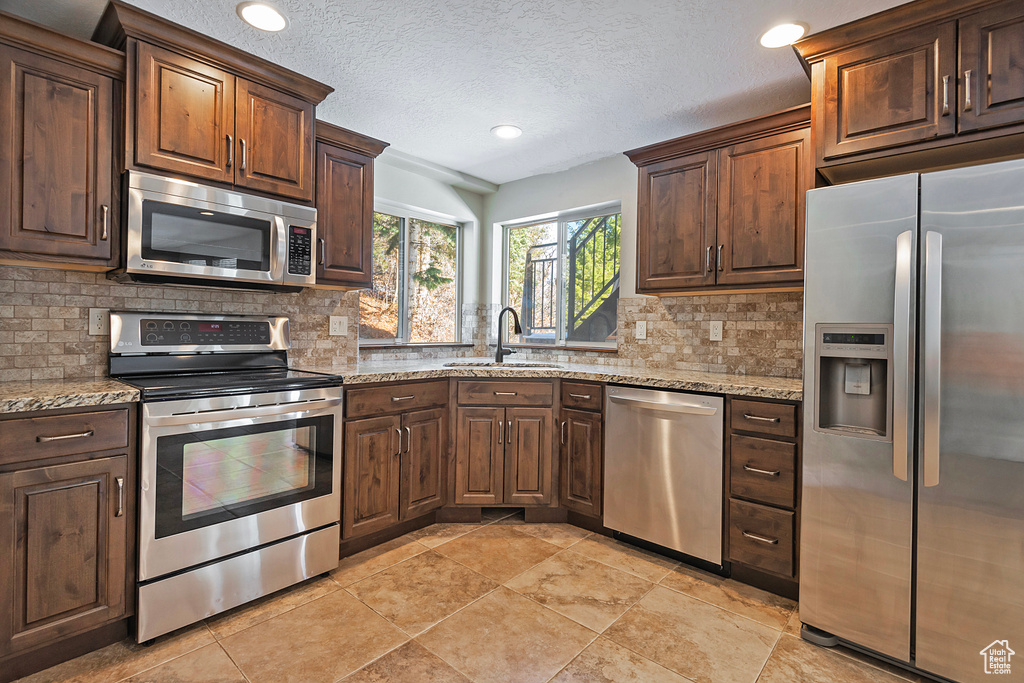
(183, 232)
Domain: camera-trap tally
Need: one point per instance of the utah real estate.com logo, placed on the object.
(997, 657)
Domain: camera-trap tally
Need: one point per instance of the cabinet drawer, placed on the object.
(395, 398)
(761, 537)
(582, 396)
(764, 470)
(776, 419)
(34, 438)
(478, 393)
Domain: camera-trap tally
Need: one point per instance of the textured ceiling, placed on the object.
(585, 79)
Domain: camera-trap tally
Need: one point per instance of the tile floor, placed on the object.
(501, 601)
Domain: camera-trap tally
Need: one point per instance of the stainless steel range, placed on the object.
(240, 463)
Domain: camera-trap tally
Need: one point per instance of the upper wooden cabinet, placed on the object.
(927, 84)
(57, 189)
(344, 203)
(725, 208)
(201, 108)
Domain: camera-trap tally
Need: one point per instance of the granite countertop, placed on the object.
(711, 382)
(19, 397)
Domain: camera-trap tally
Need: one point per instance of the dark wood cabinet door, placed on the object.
(426, 438)
(184, 115)
(479, 456)
(371, 475)
(891, 91)
(761, 188)
(64, 540)
(528, 460)
(992, 59)
(676, 226)
(582, 443)
(56, 160)
(344, 204)
(275, 141)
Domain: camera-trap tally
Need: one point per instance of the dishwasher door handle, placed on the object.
(689, 408)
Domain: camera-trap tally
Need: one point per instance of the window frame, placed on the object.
(561, 219)
(405, 215)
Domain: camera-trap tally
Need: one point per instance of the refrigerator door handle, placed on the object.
(903, 344)
(932, 346)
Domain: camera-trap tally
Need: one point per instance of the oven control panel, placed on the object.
(300, 247)
(174, 331)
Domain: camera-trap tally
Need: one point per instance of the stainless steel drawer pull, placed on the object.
(396, 399)
(584, 397)
(82, 435)
(758, 418)
(120, 496)
(768, 473)
(505, 393)
(762, 539)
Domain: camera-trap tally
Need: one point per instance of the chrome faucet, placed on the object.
(499, 357)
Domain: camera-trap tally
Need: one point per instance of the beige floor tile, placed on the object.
(421, 591)
(359, 566)
(121, 660)
(322, 640)
(646, 565)
(798, 660)
(697, 640)
(208, 664)
(794, 624)
(762, 606)
(582, 589)
(562, 535)
(436, 534)
(505, 638)
(258, 611)
(605, 662)
(498, 552)
(411, 663)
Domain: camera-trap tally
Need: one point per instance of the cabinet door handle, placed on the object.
(399, 431)
(721, 266)
(945, 95)
(245, 155)
(80, 435)
(767, 473)
(505, 393)
(758, 418)
(396, 399)
(120, 496)
(508, 438)
(323, 249)
(707, 260)
(105, 229)
(408, 439)
(231, 150)
(761, 539)
(585, 397)
(967, 90)
(501, 431)
(562, 438)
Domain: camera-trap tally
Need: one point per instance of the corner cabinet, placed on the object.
(724, 209)
(344, 204)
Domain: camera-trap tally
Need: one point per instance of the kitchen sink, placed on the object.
(484, 364)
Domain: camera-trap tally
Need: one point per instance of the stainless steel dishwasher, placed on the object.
(663, 469)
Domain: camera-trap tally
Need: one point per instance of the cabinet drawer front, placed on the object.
(776, 419)
(582, 396)
(764, 470)
(395, 398)
(478, 393)
(761, 537)
(34, 438)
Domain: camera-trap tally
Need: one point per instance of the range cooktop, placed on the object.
(227, 383)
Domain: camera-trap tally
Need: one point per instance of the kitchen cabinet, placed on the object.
(581, 440)
(395, 447)
(724, 209)
(928, 84)
(344, 204)
(57, 168)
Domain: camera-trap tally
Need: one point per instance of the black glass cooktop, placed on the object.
(227, 383)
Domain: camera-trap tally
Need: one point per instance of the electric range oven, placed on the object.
(240, 463)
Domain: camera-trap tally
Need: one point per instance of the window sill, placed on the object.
(414, 346)
(552, 347)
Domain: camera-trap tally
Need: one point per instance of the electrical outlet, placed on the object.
(716, 330)
(339, 326)
(641, 329)
(99, 321)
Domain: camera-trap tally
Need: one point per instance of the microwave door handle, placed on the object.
(279, 249)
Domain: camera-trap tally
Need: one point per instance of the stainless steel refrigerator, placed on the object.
(912, 539)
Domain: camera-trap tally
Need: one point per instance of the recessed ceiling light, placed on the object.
(507, 131)
(262, 15)
(782, 35)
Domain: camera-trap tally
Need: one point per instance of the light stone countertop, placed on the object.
(20, 397)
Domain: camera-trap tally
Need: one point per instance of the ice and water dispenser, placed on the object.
(854, 376)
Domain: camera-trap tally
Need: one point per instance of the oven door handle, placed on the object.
(292, 410)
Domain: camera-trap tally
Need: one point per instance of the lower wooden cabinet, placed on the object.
(581, 440)
(422, 489)
(480, 456)
(528, 460)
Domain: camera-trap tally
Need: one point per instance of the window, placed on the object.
(414, 298)
(562, 276)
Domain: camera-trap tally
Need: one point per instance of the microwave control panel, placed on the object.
(300, 248)
(161, 332)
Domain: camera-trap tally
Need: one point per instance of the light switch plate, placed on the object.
(716, 330)
(339, 326)
(99, 321)
(641, 329)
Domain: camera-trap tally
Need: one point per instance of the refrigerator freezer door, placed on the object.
(857, 510)
(970, 545)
